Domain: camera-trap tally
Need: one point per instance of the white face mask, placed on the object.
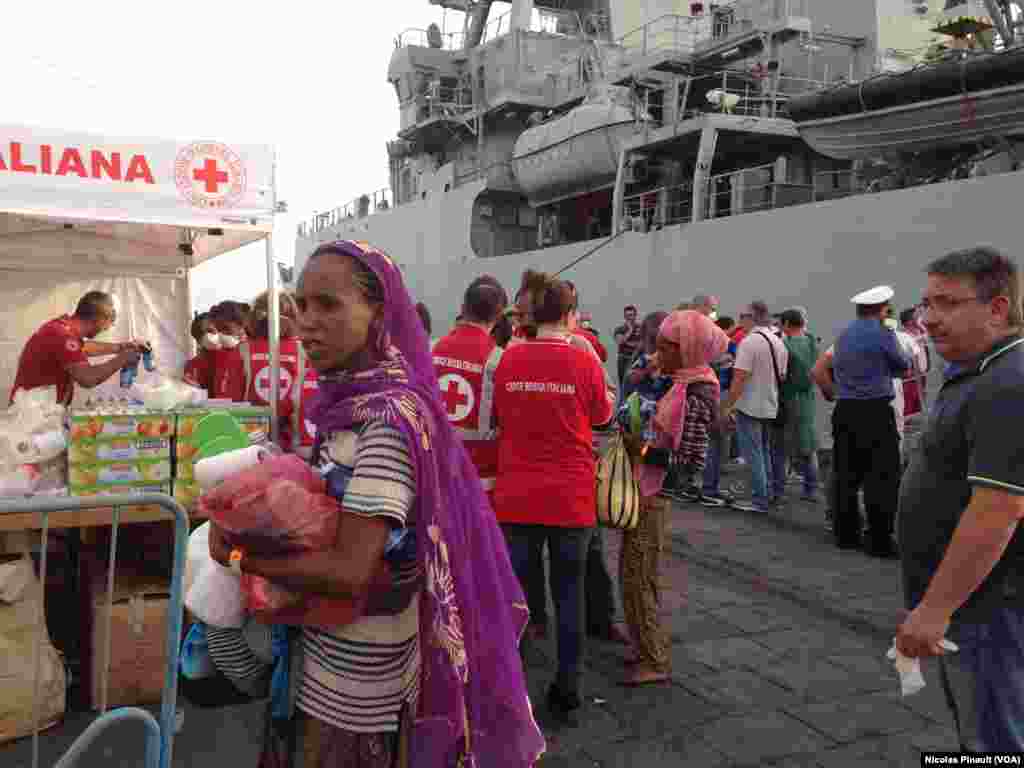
(890, 323)
(210, 341)
(713, 315)
(228, 342)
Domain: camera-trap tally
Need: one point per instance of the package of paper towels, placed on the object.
(213, 593)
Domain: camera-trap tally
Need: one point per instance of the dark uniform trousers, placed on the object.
(866, 454)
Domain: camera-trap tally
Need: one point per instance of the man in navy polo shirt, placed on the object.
(866, 444)
(962, 498)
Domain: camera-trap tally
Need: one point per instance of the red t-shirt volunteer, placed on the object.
(47, 356)
(548, 396)
(465, 362)
(199, 371)
(246, 379)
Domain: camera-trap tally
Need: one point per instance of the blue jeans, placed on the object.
(713, 462)
(754, 436)
(984, 682)
(568, 548)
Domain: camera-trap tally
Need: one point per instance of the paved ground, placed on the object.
(778, 646)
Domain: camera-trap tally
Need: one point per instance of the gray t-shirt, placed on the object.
(760, 398)
(966, 444)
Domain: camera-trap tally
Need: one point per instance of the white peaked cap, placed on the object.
(877, 295)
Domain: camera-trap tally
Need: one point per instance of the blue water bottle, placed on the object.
(128, 374)
(147, 358)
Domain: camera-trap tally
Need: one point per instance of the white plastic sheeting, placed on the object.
(152, 307)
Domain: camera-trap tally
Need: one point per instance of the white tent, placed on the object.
(126, 215)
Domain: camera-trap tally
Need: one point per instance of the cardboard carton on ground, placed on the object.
(138, 640)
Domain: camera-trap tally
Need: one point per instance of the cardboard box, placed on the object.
(91, 451)
(135, 489)
(117, 473)
(138, 645)
(254, 420)
(91, 425)
(186, 493)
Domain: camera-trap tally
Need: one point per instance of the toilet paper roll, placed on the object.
(209, 472)
(50, 444)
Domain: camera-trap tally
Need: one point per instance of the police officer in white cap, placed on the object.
(866, 452)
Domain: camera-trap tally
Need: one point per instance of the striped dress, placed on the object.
(358, 677)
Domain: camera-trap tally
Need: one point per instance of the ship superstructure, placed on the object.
(539, 131)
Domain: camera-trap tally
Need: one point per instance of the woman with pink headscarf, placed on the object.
(676, 436)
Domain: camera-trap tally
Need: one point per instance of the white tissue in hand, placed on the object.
(909, 670)
(213, 593)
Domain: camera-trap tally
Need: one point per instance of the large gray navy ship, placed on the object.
(782, 149)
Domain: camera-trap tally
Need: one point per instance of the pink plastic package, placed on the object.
(274, 508)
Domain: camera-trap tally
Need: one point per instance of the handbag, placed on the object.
(618, 493)
(782, 413)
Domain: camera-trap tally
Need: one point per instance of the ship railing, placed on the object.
(497, 171)
(659, 207)
(759, 95)
(542, 20)
(708, 23)
(414, 37)
(360, 208)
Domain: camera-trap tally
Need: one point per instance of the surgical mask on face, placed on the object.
(210, 341)
(713, 315)
(229, 342)
(890, 323)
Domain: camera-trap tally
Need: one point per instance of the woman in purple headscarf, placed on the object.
(432, 668)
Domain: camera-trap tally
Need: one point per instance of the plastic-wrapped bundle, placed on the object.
(213, 593)
(272, 509)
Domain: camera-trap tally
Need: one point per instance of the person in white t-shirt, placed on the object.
(761, 362)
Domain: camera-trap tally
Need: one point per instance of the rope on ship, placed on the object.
(591, 252)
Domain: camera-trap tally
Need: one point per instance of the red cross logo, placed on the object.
(457, 395)
(210, 176)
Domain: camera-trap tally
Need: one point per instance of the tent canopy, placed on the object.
(129, 215)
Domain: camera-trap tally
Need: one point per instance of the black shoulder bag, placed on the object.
(780, 415)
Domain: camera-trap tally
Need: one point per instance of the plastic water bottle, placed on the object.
(147, 359)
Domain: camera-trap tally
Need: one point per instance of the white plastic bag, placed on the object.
(213, 593)
(161, 393)
(19, 606)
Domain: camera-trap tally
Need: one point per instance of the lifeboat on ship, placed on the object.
(576, 153)
(938, 106)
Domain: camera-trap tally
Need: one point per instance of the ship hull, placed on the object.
(816, 255)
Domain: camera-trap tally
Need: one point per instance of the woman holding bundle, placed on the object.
(675, 436)
(431, 669)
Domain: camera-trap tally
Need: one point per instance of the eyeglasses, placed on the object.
(946, 304)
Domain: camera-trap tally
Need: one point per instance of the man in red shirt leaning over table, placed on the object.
(57, 355)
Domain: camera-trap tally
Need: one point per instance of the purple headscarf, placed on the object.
(473, 708)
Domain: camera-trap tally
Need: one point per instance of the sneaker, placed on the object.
(745, 505)
(687, 493)
(715, 499)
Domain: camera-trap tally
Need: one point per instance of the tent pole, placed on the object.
(274, 307)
